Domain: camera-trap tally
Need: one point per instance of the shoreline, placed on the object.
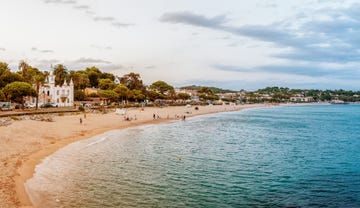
(91, 127)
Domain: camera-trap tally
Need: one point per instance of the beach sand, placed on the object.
(24, 143)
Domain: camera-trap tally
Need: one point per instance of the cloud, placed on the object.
(82, 7)
(307, 70)
(190, 18)
(232, 45)
(150, 67)
(91, 61)
(105, 19)
(112, 67)
(61, 1)
(44, 64)
(326, 35)
(101, 47)
(93, 15)
(42, 50)
(120, 24)
(113, 21)
(267, 5)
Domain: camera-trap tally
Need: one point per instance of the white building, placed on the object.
(60, 96)
(302, 99)
(117, 80)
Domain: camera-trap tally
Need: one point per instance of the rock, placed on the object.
(46, 118)
(5, 121)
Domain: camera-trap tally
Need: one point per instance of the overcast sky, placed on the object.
(235, 44)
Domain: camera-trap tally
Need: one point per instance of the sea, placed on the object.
(287, 156)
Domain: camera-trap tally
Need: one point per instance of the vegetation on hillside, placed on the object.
(27, 80)
(214, 89)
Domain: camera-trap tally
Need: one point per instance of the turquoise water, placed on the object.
(305, 156)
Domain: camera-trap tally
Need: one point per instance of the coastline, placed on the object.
(29, 142)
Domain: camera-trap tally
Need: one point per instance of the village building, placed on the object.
(117, 80)
(91, 90)
(301, 99)
(60, 96)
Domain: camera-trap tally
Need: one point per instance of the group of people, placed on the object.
(183, 117)
(127, 118)
(156, 116)
(81, 121)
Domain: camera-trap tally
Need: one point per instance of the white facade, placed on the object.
(61, 96)
(117, 80)
(302, 99)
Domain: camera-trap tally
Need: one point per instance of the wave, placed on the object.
(97, 141)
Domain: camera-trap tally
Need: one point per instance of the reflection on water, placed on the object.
(273, 157)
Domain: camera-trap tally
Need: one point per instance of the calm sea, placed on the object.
(303, 156)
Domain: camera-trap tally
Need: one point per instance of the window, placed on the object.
(48, 93)
(57, 100)
(57, 92)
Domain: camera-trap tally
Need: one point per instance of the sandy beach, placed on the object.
(24, 143)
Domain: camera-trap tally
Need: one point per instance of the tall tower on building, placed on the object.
(51, 79)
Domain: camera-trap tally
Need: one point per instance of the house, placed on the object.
(60, 96)
(117, 80)
(88, 91)
(301, 99)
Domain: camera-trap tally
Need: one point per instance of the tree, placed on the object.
(122, 91)
(133, 81)
(183, 96)
(2, 96)
(162, 87)
(153, 95)
(106, 84)
(61, 73)
(39, 79)
(6, 76)
(3, 68)
(16, 91)
(94, 75)
(105, 75)
(206, 90)
(80, 79)
(79, 95)
(25, 70)
(137, 95)
(108, 94)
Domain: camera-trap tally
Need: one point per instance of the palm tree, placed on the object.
(60, 72)
(39, 80)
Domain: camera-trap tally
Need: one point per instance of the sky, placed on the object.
(232, 44)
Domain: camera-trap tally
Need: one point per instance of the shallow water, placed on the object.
(305, 156)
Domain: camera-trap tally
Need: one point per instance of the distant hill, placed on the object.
(214, 89)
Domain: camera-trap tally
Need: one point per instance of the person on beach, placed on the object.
(80, 121)
(154, 116)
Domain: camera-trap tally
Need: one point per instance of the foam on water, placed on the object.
(98, 141)
(273, 157)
